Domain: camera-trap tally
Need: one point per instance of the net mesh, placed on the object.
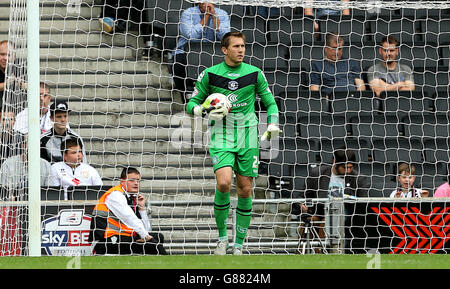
(127, 109)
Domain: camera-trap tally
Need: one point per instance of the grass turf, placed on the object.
(230, 262)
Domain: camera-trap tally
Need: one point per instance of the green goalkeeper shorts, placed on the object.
(237, 148)
(244, 162)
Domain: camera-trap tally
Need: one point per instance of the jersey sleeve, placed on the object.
(263, 90)
(201, 92)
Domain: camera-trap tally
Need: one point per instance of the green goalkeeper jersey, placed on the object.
(240, 84)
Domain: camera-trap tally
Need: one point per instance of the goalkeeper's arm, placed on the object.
(273, 131)
(199, 95)
(262, 89)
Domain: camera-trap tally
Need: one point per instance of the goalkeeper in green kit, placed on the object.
(234, 144)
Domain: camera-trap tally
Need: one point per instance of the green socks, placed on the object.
(243, 217)
(221, 209)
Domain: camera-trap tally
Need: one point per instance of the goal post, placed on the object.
(34, 134)
(125, 106)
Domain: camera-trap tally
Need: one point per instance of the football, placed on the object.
(217, 100)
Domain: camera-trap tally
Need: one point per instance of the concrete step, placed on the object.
(86, 53)
(175, 185)
(58, 9)
(162, 173)
(207, 220)
(148, 160)
(135, 133)
(260, 212)
(116, 79)
(86, 25)
(120, 106)
(55, 25)
(112, 92)
(119, 119)
(127, 146)
(6, 3)
(97, 66)
(64, 38)
(205, 231)
(61, 2)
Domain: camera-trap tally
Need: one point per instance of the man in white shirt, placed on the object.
(21, 124)
(120, 223)
(14, 173)
(73, 171)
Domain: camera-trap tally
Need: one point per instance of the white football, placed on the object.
(219, 100)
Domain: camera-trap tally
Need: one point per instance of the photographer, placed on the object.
(326, 181)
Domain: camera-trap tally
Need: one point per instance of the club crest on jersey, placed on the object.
(233, 85)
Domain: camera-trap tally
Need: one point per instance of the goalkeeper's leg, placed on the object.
(222, 207)
(244, 188)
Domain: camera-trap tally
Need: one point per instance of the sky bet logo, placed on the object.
(65, 238)
(67, 234)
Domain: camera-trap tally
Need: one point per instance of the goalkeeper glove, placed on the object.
(198, 110)
(217, 112)
(272, 132)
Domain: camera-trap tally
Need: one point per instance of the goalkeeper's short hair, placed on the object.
(225, 41)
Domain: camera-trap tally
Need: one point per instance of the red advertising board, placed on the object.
(10, 231)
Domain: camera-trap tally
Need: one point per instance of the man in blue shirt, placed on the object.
(318, 13)
(333, 73)
(199, 23)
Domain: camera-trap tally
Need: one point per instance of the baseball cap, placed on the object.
(59, 105)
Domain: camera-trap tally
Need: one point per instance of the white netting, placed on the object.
(14, 165)
(128, 110)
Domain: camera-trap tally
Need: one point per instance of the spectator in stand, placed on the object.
(117, 15)
(21, 124)
(406, 178)
(14, 172)
(202, 22)
(443, 191)
(73, 171)
(340, 180)
(389, 75)
(120, 223)
(263, 11)
(15, 83)
(51, 140)
(323, 13)
(9, 140)
(334, 73)
(3, 61)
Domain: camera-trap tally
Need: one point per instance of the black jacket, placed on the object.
(51, 145)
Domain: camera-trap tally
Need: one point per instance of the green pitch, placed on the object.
(231, 262)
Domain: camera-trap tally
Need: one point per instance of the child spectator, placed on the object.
(406, 177)
(73, 171)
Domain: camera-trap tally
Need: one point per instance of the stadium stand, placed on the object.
(106, 74)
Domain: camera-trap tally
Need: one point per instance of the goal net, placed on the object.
(126, 85)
